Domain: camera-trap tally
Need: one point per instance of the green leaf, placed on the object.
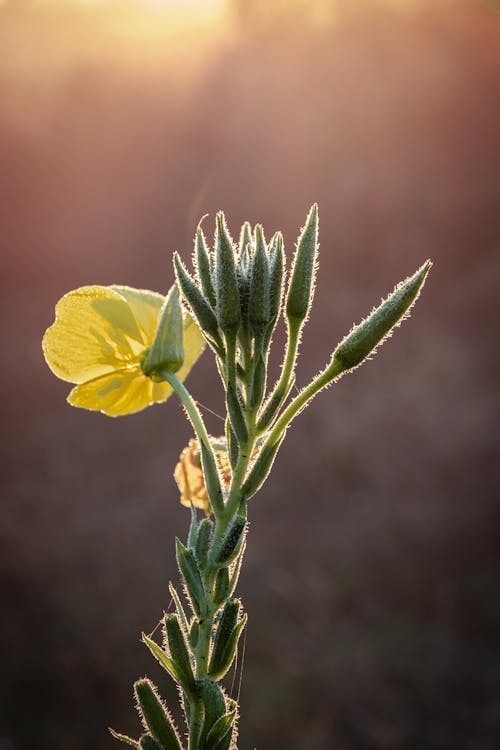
(123, 738)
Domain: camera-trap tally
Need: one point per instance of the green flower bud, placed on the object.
(178, 652)
(192, 578)
(197, 302)
(226, 284)
(203, 268)
(226, 639)
(214, 703)
(276, 275)
(245, 241)
(203, 542)
(167, 349)
(194, 634)
(156, 717)
(258, 305)
(260, 470)
(301, 288)
(231, 541)
(211, 477)
(221, 586)
(373, 330)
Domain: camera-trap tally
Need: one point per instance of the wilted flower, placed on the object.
(189, 475)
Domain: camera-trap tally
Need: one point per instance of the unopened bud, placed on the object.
(258, 306)
(226, 639)
(226, 284)
(155, 716)
(167, 349)
(197, 302)
(301, 288)
(365, 337)
(203, 267)
(178, 652)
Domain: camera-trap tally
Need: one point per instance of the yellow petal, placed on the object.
(119, 393)
(145, 306)
(189, 477)
(95, 332)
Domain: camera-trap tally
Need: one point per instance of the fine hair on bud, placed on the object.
(364, 338)
(302, 281)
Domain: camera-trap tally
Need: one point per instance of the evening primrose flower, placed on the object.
(189, 474)
(99, 340)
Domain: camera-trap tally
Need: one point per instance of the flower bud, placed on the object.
(197, 302)
(155, 716)
(221, 586)
(301, 287)
(167, 349)
(178, 652)
(226, 284)
(365, 337)
(203, 267)
(276, 275)
(203, 541)
(231, 541)
(226, 639)
(214, 704)
(192, 578)
(258, 304)
(261, 468)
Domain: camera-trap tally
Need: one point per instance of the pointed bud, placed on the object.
(178, 652)
(258, 305)
(221, 587)
(203, 268)
(301, 288)
(276, 275)
(194, 634)
(260, 470)
(226, 284)
(167, 349)
(226, 639)
(364, 338)
(192, 578)
(203, 542)
(214, 704)
(155, 716)
(196, 301)
(231, 541)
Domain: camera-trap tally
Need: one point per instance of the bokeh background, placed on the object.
(372, 571)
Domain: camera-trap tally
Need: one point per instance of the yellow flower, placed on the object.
(189, 475)
(98, 340)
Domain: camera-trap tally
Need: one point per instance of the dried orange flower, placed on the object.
(189, 475)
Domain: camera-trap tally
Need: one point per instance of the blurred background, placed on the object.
(372, 570)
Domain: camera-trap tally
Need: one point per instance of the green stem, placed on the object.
(282, 387)
(324, 378)
(197, 422)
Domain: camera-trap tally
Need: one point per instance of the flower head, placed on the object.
(99, 340)
(189, 474)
